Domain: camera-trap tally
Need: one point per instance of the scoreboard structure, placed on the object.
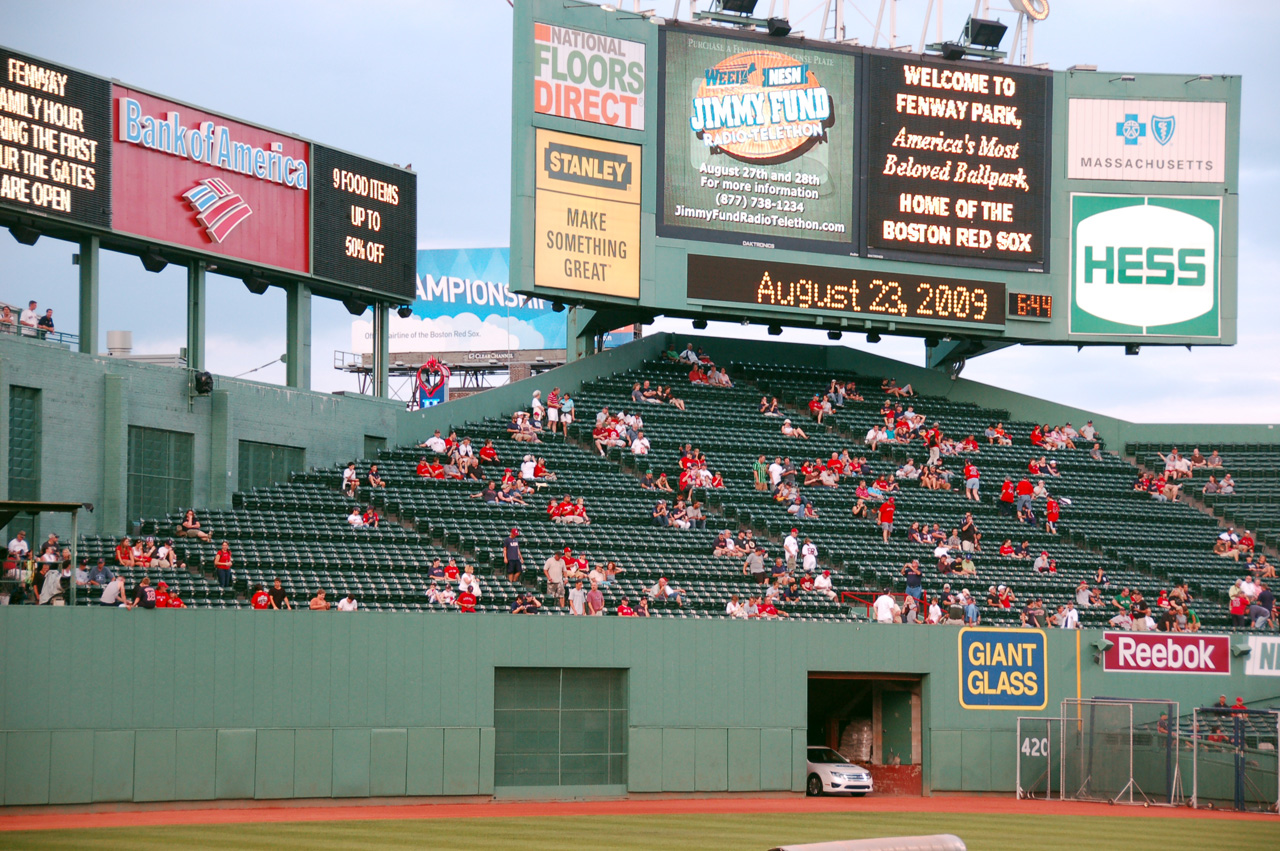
(793, 182)
(85, 156)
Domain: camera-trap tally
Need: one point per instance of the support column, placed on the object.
(195, 314)
(89, 298)
(381, 349)
(114, 446)
(297, 365)
(223, 464)
(579, 341)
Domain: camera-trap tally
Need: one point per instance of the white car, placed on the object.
(830, 772)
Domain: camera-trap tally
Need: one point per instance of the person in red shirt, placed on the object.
(540, 469)
(971, 482)
(1006, 498)
(261, 599)
(124, 553)
(1006, 549)
(717, 481)
(1024, 491)
(175, 602)
(451, 571)
(424, 469)
(1037, 438)
(1051, 514)
(1246, 541)
(435, 469)
(969, 444)
(625, 610)
(466, 601)
(488, 454)
(222, 565)
(162, 595)
(886, 518)
(370, 517)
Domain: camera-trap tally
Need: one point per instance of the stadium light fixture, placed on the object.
(354, 306)
(404, 311)
(985, 33)
(833, 335)
(24, 234)
(775, 330)
(873, 337)
(557, 306)
(1132, 349)
(980, 38)
(700, 324)
(737, 7)
(778, 27)
(153, 262)
(256, 284)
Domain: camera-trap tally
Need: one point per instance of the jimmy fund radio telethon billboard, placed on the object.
(711, 172)
(79, 151)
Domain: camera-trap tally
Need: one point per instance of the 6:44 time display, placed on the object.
(840, 290)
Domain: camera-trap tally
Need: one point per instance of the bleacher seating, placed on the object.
(297, 530)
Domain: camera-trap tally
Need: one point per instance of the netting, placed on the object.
(1235, 764)
(1039, 773)
(1120, 751)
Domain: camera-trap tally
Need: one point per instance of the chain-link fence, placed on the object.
(1120, 751)
(1234, 759)
(1039, 772)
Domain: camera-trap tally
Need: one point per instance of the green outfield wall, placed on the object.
(106, 705)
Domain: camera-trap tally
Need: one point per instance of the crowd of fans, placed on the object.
(28, 323)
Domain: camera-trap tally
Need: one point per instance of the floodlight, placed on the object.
(354, 306)
(700, 324)
(557, 306)
(153, 262)
(779, 27)
(1132, 349)
(984, 33)
(873, 337)
(952, 51)
(833, 335)
(775, 330)
(24, 234)
(738, 7)
(404, 311)
(256, 284)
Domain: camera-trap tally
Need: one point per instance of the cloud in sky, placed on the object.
(434, 89)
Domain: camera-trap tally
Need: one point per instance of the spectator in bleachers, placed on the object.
(553, 569)
(435, 443)
(376, 481)
(553, 410)
(279, 597)
(1263, 570)
(101, 575)
(29, 320)
(788, 430)
(679, 515)
(166, 556)
(124, 552)
(890, 388)
(1215, 461)
(1096, 452)
(661, 515)
(577, 599)
(144, 596)
(222, 565)
(641, 444)
(1088, 432)
(371, 518)
(886, 519)
(822, 585)
(1227, 486)
(971, 482)
(348, 603)
(996, 435)
(1262, 607)
(886, 610)
(595, 600)
(522, 430)
(355, 519)
(624, 609)
(350, 480)
(318, 602)
(8, 322)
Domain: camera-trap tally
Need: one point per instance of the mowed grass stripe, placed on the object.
(981, 832)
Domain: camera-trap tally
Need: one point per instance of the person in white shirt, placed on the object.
(165, 555)
(640, 446)
(884, 607)
(809, 555)
(1070, 618)
(578, 599)
(348, 603)
(113, 593)
(468, 582)
(536, 404)
(355, 519)
(822, 584)
(29, 319)
(935, 611)
(435, 443)
(775, 473)
(446, 597)
(19, 547)
(1069, 432)
(791, 547)
(1088, 432)
(527, 466)
(1249, 588)
(350, 480)
(689, 355)
(1229, 536)
(734, 608)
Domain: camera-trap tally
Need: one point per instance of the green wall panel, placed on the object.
(424, 769)
(975, 749)
(155, 766)
(645, 759)
(26, 767)
(711, 759)
(71, 767)
(197, 765)
(775, 759)
(274, 764)
(1004, 770)
(946, 759)
(350, 763)
(678, 746)
(743, 759)
(487, 744)
(799, 759)
(313, 763)
(462, 761)
(388, 753)
(113, 757)
(235, 773)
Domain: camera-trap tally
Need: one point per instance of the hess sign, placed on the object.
(845, 291)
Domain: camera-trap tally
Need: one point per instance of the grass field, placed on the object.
(678, 832)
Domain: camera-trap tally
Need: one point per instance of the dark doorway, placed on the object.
(874, 720)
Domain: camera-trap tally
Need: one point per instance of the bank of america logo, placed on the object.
(218, 207)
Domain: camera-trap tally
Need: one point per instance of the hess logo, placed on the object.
(1145, 265)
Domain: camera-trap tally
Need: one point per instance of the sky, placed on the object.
(428, 83)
